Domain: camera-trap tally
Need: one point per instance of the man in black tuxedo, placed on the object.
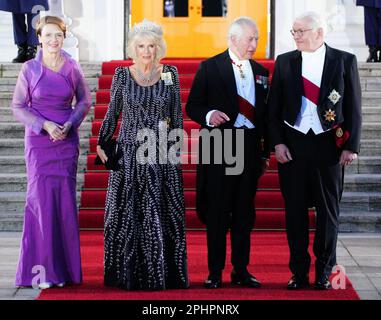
(228, 98)
(315, 126)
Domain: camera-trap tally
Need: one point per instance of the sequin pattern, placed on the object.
(145, 246)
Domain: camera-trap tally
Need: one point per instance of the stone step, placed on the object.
(371, 99)
(371, 114)
(361, 202)
(90, 69)
(6, 99)
(10, 182)
(365, 165)
(16, 164)
(8, 84)
(371, 83)
(369, 69)
(12, 210)
(8, 117)
(17, 182)
(16, 130)
(362, 182)
(16, 146)
(360, 221)
(371, 130)
(12, 215)
(370, 147)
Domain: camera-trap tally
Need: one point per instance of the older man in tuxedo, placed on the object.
(315, 126)
(228, 98)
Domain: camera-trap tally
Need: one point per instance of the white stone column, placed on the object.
(345, 24)
(346, 28)
(71, 42)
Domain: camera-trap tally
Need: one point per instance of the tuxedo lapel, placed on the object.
(328, 73)
(227, 75)
(296, 79)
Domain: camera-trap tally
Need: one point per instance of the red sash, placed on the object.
(247, 109)
(311, 91)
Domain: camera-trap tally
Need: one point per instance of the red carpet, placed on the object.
(269, 259)
(269, 202)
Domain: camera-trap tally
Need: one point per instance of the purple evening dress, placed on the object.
(50, 250)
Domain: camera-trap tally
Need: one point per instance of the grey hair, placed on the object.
(236, 28)
(146, 30)
(316, 20)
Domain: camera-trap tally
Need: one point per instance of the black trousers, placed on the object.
(230, 206)
(313, 179)
(23, 31)
(372, 26)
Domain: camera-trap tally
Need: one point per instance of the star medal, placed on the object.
(334, 97)
(330, 115)
(167, 78)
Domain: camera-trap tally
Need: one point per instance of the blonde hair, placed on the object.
(146, 30)
(50, 20)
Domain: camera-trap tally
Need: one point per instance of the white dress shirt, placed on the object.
(245, 89)
(312, 69)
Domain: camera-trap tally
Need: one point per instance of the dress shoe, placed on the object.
(213, 283)
(61, 285)
(245, 280)
(296, 282)
(31, 52)
(322, 283)
(21, 54)
(372, 54)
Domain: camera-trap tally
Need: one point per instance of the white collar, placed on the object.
(234, 57)
(319, 53)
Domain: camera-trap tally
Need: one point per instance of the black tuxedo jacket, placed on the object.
(214, 88)
(340, 73)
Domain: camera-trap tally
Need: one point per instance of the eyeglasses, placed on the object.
(299, 33)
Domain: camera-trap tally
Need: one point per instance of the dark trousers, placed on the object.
(372, 26)
(313, 179)
(23, 31)
(230, 206)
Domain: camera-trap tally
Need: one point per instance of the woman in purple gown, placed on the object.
(42, 101)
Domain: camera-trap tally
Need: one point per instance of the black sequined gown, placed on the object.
(145, 246)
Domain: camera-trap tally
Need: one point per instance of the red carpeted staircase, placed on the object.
(269, 202)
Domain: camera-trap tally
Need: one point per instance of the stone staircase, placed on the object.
(361, 203)
(12, 163)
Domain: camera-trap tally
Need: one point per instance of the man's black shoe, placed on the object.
(322, 283)
(297, 283)
(31, 53)
(21, 54)
(213, 282)
(245, 280)
(372, 54)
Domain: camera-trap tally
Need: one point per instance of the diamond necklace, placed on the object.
(146, 78)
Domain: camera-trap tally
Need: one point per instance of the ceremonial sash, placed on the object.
(246, 109)
(311, 91)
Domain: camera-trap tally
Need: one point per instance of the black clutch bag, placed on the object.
(113, 154)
